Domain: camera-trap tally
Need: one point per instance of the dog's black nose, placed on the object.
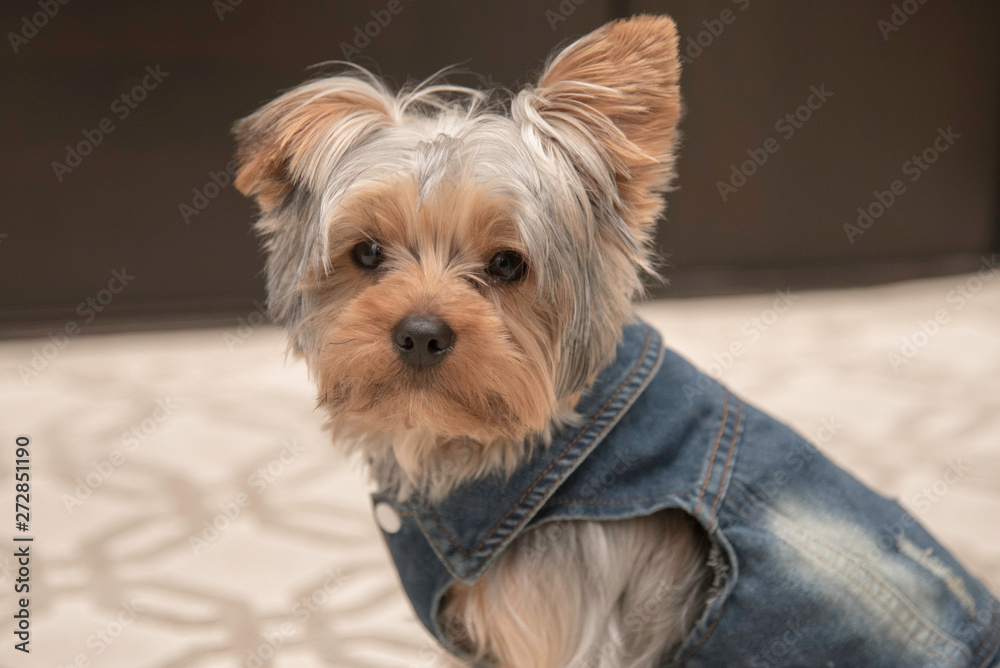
(423, 340)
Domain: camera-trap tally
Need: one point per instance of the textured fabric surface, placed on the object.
(142, 442)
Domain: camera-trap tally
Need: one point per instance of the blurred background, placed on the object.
(148, 190)
(830, 252)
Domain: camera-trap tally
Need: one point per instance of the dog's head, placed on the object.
(457, 267)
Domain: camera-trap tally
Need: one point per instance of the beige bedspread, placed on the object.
(189, 510)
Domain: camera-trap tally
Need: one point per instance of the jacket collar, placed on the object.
(471, 526)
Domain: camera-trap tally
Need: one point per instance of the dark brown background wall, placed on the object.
(750, 63)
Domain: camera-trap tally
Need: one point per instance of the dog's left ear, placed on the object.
(615, 90)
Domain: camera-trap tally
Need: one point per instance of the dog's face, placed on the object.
(450, 267)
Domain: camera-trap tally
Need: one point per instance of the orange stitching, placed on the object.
(711, 460)
(708, 632)
(732, 449)
(642, 360)
(437, 521)
(605, 503)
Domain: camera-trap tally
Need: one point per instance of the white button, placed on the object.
(387, 518)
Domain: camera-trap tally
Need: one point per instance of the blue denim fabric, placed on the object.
(813, 569)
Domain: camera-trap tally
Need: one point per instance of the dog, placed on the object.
(459, 270)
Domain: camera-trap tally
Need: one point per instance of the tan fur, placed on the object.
(494, 389)
(595, 594)
(280, 140)
(622, 83)
(575, 184)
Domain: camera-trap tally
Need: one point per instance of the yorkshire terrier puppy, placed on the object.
(556, 488)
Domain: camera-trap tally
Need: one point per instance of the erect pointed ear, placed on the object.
(302, 134)
(616, 90)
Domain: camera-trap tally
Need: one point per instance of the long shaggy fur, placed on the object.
(569, 174)
(585, 595)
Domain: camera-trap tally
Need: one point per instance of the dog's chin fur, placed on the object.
(406, 461)
(570, 177)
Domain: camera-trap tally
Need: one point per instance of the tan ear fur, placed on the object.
(626, 73)
(296, 136)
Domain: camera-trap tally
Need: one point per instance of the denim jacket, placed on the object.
(812, 568)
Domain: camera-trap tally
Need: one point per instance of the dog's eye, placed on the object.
(507, 266)
(368, 254)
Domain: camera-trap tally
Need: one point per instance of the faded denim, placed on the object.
(813, 569)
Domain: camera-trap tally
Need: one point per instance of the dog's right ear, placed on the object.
(296, 138)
